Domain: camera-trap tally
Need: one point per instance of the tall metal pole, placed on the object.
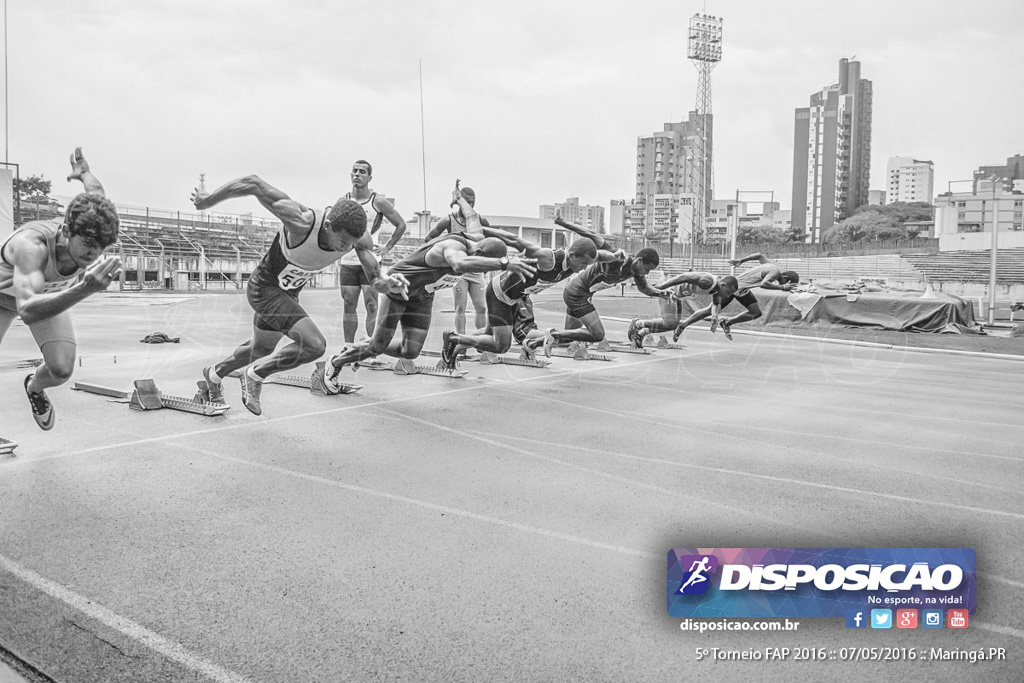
(704, 50)
(423, 140)
(6, 115)
(994, 258)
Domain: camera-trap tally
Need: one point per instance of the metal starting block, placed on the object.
(464, 357)
(662, 343)
(578, 351)
(620, 347)
(7, 446)
(489, 358)
(406, 366)
(313, 382)
(100, 390)
(146, 396)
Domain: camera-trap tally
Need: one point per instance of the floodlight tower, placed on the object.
(704, 49)
(202, 188)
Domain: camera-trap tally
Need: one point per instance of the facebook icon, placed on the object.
(856, 618)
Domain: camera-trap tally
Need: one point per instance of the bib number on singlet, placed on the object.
(445, 282)
(291, 277)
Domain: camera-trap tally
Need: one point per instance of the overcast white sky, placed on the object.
(530, 102)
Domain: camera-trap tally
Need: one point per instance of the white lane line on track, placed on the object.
(743, 439)
(996, 628)
(800, 482)
(486, 518)
(718, 395)
(579, 540)
(483, 438)
(1004, 580)
(837, 376)
(430, 506)
(820, 435)
(126, 627)
(593, 366)
(987, 575)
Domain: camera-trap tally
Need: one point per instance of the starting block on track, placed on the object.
(662, 343)
(463, 357)
(146, 396)
(373, 364)
(312, 382)
(489, 358)
(578, 351)
(407, 366)
(100, 390)
(7, 446)
(620, 347)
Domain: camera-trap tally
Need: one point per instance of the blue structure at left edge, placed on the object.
(695, 577)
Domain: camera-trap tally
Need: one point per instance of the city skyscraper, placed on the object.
(667, 179)
(832, 153)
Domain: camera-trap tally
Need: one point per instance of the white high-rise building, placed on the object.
(589, 217)
(909, 180)
(832, 153)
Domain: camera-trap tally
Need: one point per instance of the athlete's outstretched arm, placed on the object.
(462, 263)
(645, 287)
(293, 214)
(544, 255)
(473, 225)
(28, 256)
(757, 256)
(681, 279)
(599, 241)
(80, 171)
(381, 283)
(441, 228)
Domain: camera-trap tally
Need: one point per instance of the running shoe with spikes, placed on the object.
(251, 392)
(214, 392)
(549, 342)
(726, 329)
(449, 360)
(42, 409)
(319, 382)
(633, 334)
(529, 351)
(714, 325)
(677, 333)
(640, 335)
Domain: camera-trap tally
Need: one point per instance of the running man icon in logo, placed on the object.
(696, 581)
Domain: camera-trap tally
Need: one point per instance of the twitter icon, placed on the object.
(881, 618)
